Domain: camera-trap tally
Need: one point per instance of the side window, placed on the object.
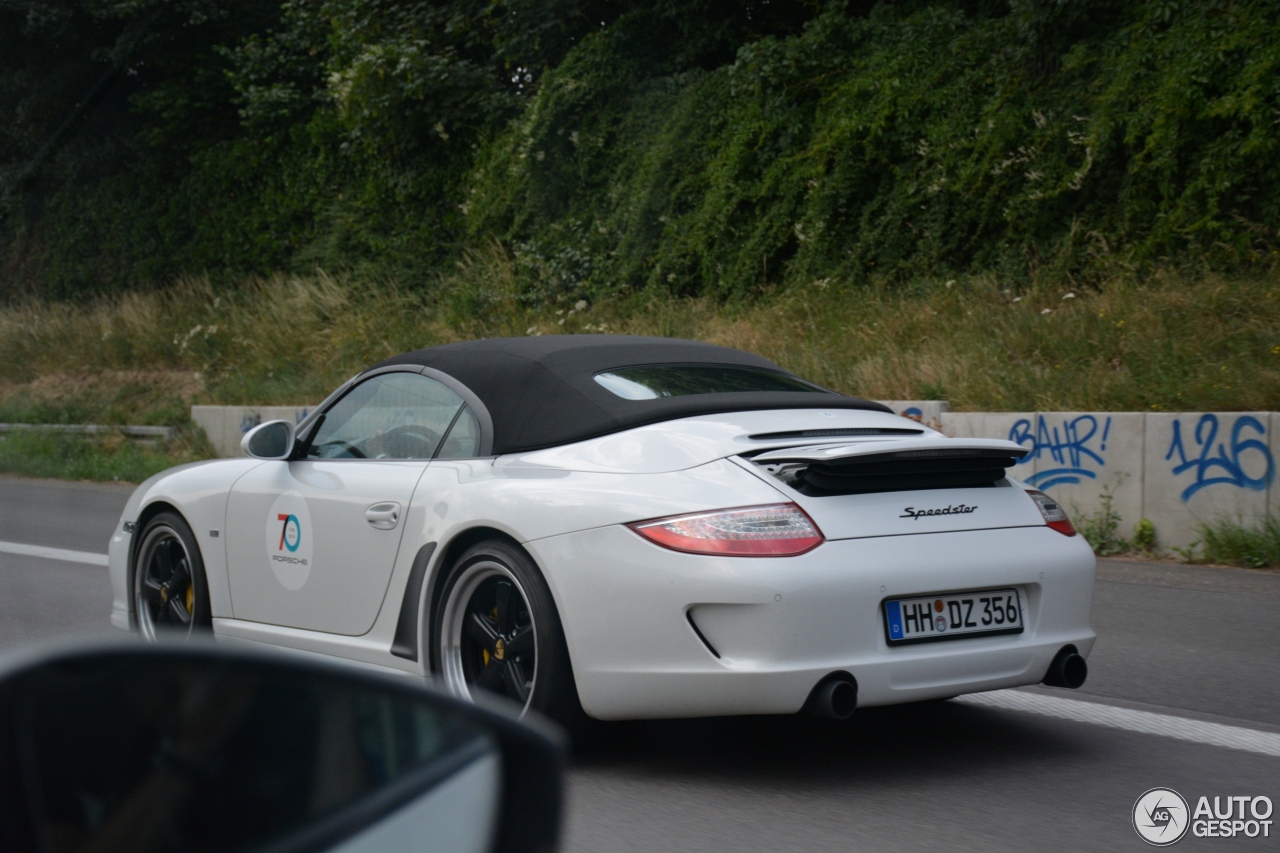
(390, 416)
(463, 441)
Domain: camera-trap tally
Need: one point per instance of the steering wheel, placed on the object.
(403, 438)
(350, 448)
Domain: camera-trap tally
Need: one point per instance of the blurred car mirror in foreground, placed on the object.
(177, 748)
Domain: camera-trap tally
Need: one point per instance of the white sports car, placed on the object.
(631, 527)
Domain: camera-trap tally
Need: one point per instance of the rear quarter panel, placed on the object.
(530, 504)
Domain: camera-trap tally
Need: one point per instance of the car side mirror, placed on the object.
(272, 440)
(157, 748)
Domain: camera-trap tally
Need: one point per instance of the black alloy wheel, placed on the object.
(170, 592)
(498, 651)
(496, 630)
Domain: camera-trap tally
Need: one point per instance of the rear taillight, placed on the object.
(775, 530)
(1054, 515)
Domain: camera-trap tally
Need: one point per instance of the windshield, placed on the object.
(650, 382)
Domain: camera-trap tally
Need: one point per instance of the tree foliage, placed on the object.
(703, 146)
(920, 138)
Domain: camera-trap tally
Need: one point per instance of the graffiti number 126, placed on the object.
(1227, 462)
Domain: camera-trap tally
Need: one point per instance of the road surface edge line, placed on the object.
(66, 556)
(1143, 722)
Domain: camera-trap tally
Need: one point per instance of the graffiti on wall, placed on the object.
(1075, 447)
(1229, 462)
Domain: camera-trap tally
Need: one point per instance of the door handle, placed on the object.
(383, 516)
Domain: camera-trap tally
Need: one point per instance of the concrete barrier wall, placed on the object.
(927, 412)
(1175, 469)
(226, 425)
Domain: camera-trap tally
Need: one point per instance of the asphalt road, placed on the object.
(1193, 645)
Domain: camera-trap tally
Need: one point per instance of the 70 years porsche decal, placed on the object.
(289, 540)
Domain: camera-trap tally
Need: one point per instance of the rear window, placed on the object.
(650, 382)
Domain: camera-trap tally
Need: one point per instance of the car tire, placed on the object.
(169, 589)
(494, 610)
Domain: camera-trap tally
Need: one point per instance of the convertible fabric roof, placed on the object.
(540, 391)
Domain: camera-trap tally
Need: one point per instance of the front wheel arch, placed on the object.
(160, 517)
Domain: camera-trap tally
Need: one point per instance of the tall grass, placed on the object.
(1238, 543)
(109, 457)
(1168, 341)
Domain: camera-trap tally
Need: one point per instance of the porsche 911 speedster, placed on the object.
(631, 527)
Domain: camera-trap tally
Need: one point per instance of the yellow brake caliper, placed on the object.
(493, 615)
(191, 598)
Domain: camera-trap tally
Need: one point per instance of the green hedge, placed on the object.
(918, 140)
(703, 147)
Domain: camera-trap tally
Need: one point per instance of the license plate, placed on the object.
(929, 618)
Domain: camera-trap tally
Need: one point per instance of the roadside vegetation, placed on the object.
(1168, 341)
(706, 148)
(111, 457)
(1101, 529)
(1222, 542)
(1238, 543)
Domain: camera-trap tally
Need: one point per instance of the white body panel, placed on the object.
(779, 624)
(348, 562)
(199, 493)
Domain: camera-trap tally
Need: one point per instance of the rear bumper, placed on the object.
(780, 625)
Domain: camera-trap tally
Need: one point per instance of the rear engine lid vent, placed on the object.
(913, 465)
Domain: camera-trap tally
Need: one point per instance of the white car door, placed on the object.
(311, 542)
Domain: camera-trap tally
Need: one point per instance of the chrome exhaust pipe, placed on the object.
(835, 697)
(1067, 670)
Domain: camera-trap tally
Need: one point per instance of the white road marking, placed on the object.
(62, 554)
(1144, 722)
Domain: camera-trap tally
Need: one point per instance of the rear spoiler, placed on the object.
(906, 448)
(892, 466)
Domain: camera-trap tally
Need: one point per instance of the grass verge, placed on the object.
(1164, 341)
(107, 458)
(1239, 544)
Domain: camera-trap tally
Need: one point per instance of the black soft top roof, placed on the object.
(540, 391)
